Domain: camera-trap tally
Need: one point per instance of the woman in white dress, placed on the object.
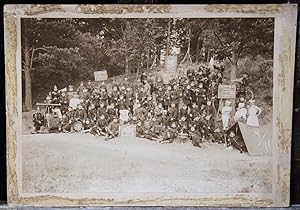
(253, 113)
(241, 113)
(226, 111)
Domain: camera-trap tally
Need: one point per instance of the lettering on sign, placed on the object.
(100, 75)
(128, 130)
(226, 91)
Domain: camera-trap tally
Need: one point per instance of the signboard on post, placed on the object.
(227, 91)
(100, 75)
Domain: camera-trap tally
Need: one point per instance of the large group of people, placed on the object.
(183, 109)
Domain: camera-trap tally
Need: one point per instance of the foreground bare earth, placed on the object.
(82, 163)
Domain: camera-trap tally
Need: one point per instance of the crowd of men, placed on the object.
(184, 109)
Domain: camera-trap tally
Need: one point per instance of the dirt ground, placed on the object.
(82, 163)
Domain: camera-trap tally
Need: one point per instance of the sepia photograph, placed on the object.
(147, 105)
(168, 105)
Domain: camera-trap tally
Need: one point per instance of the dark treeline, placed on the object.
(66, 51)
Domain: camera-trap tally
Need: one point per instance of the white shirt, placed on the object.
(74, 102)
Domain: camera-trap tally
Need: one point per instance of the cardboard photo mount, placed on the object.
(285, 16)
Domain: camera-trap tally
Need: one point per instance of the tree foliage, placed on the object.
(72, 49)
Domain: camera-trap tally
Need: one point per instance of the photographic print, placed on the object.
(168, 108)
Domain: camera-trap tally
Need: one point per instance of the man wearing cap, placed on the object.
(100, 127)
(89, 87)
(129, 97)
(158, 111)
(170, 134)
(80, 114)
(183, 125)
(103, 96)
(183, 111)
(80, 89)
(175, 95)
(64, 101)
(112, 129)
(140, 132)
(111, 112)
(102, 110)
(195, 136)
(173, 112)
(187, 96)
(66, 123)
(38, 120)
(167, 97)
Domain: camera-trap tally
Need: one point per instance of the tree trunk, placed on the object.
(197, 50)
(208, 55)
(28, 91)
(126, 65)
(148, 57)
(233, 67)
(168, 38)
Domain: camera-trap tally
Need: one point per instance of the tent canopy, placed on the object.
(258, 140)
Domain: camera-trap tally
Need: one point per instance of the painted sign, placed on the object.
(226, 91)
(100, 75)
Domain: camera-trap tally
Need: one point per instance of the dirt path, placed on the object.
(62, 163)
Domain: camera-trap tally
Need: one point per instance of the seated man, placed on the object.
(170, 134)
(38, 120)
(100, 127)
(112, 129)
(195, 136)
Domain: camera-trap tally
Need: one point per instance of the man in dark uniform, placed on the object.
(167, 98)
(141, 112)
(201, 95)
(158, 111)
(170, 134)
(38, 120)
(67, 123)
(187, 96)
(103, 96)
(183, 125)
(64, 101)
(95, 98)
(92, 112)
(173, 113)
(195, 136)
(111, 112)
(102, 110)
(175, 95)
(183, 111)
(149, 104)
(100, 127)
(114, 95)
(90, 87)
(80, 114)
(122, 103)
(112, 129)
(80, 89)
(160, 95)
(194, 112)
(130, 97)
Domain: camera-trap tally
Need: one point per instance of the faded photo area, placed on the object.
(168, 105)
